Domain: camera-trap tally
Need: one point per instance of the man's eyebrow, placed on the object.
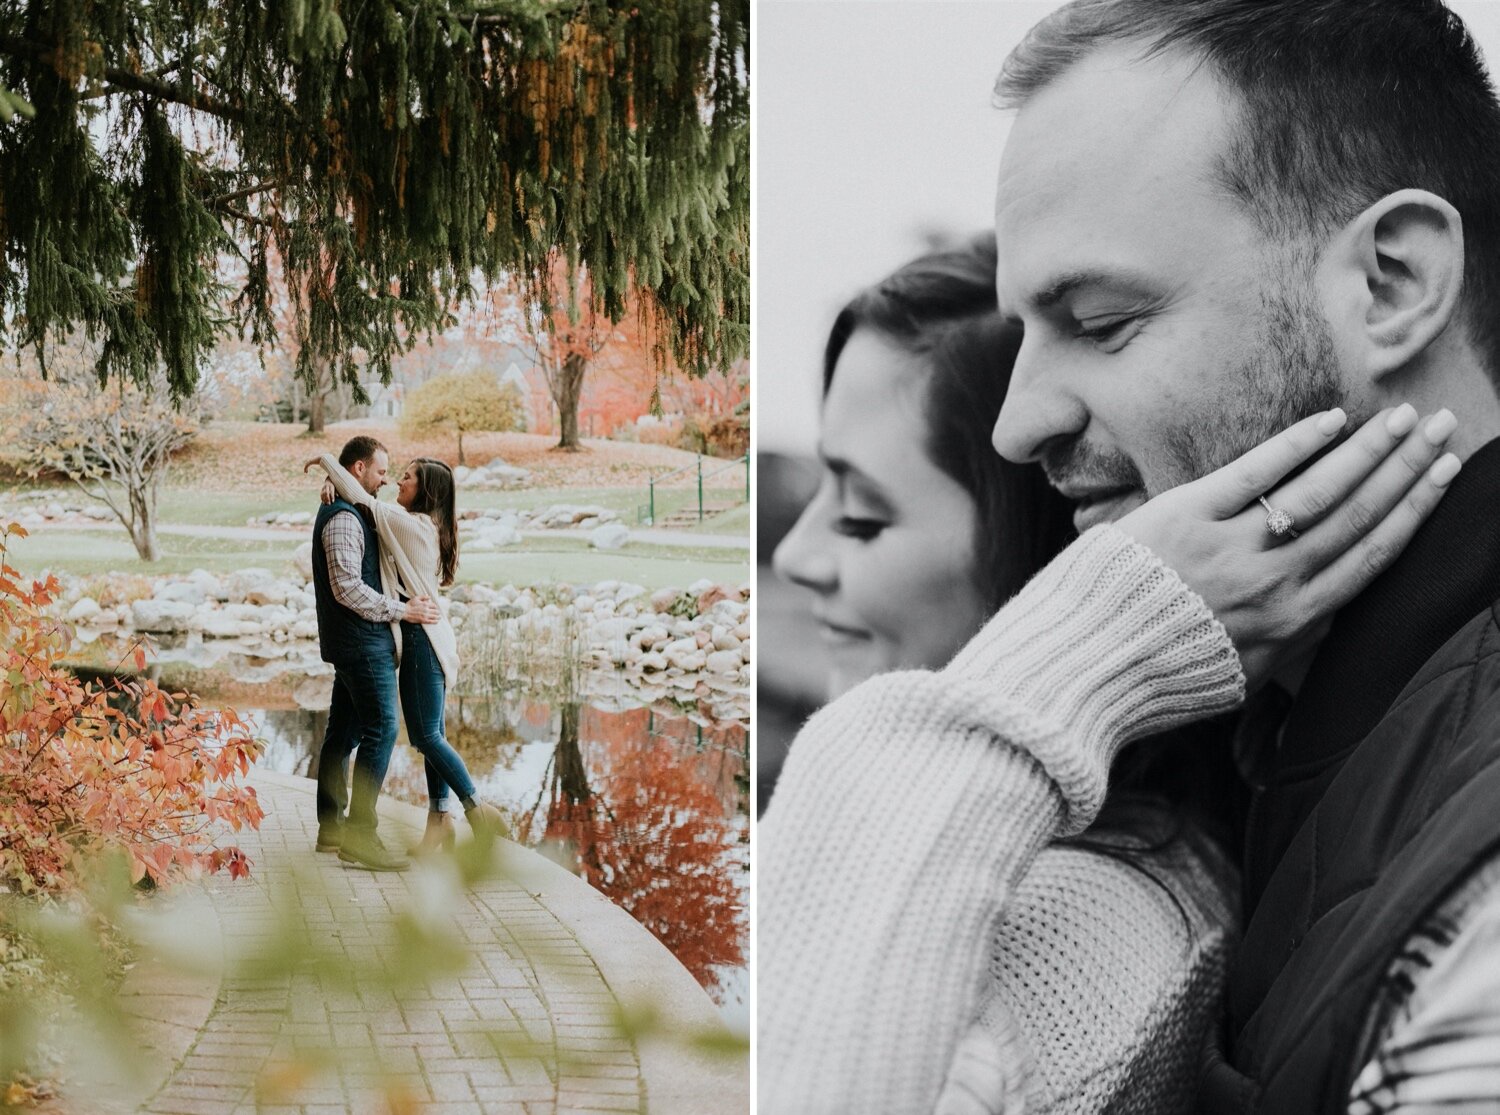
(1071, 281)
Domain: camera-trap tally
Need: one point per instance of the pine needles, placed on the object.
(391, 157)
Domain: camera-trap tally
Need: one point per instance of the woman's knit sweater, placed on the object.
(1104, 976)
(911, 808)
(408, 560)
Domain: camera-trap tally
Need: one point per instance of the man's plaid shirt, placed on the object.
(1436, 1026)
(344, 546)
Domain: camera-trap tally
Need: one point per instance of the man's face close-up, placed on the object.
(372, 473)
(1164, 336)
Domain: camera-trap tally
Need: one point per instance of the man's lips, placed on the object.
(1084, 495)
(1103, 505)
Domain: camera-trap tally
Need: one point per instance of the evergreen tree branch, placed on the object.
(248, 191)
(395, 149)
(124, 81)
(239, 214)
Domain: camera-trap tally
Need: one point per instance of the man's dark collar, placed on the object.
(1448, 573)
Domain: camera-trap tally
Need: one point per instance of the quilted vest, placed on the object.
(1380, 801)
(343, 635)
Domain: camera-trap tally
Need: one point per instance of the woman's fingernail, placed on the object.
(1331, 422)
(1401, 420)
(1444, 469)
(1439, 426)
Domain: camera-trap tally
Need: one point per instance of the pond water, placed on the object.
(647, 802)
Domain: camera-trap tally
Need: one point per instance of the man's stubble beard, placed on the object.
(1292, 374)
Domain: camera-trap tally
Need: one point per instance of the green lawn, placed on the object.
(538, 561)
(631, 504)
(533, 561)
(734, 521)
(110, 551)
(233, 509)
(213, 508)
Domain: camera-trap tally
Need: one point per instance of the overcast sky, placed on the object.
(873, 132)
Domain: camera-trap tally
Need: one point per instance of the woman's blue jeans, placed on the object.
(423, 697)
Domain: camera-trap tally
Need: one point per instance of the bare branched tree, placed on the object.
(114, 443)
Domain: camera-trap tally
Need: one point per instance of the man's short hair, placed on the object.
(1343, 102)
(360, 448)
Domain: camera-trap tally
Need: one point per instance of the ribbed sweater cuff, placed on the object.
(1103, 646)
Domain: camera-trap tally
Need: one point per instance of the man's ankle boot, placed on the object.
(362, 848)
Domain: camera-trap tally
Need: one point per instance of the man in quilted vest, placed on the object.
(1215, 217)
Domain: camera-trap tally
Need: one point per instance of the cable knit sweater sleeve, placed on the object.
(411, 540)
(909, 809)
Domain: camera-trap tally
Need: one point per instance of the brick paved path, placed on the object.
(528, 1027)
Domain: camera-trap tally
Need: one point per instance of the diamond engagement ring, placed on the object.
(1278, 522)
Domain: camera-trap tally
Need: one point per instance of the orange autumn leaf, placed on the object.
(79, 775)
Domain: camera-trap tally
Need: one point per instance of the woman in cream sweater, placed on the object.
(418, 555)
(928, 936)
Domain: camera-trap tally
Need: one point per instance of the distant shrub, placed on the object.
(728, 436)
(650, 430)
(465, 402)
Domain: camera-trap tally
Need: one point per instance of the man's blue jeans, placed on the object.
(423, 696)
(362, 719)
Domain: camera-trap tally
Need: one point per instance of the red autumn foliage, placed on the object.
(574, 338)
(88, 766)
(651, 826)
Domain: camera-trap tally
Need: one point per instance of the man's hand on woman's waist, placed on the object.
(422, 609)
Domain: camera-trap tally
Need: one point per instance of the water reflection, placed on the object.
(649, 805)
(656, 828)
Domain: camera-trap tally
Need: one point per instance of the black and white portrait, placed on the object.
(1128, 706)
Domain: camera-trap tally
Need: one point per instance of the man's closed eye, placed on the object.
(1110, 334)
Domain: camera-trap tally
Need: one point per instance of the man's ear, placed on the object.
(1391, 278)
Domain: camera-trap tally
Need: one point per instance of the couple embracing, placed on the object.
(1241, 247)
(377, 568)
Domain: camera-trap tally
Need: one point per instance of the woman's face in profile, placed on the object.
(887, 544)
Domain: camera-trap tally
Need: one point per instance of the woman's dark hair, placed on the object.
(942, 307)
(1158, 785)
(435, 497)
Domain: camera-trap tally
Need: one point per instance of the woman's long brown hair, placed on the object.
(435, 497)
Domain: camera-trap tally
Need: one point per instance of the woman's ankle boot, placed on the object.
(437, 837)
(486, 821)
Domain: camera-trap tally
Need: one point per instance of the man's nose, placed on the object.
(1038, 409)
(805, 557)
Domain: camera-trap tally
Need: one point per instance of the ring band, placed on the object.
(1278, 522)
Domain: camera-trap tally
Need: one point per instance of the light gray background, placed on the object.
(874, 129)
